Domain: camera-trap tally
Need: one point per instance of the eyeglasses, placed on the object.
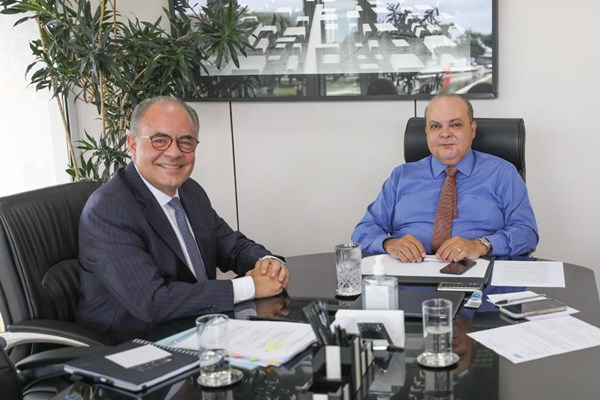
(162, 141)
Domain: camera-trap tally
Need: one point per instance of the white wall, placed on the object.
(307, 170)
(31, 124)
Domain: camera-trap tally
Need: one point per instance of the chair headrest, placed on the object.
(502, 137)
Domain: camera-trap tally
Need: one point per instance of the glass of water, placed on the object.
(347, 265)
(437, 333)
(212, 334)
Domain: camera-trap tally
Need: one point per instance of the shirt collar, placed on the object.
(465, 166)
(162, 198)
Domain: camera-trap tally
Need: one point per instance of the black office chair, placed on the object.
(502, 137)
(9, 380)
(39, 276)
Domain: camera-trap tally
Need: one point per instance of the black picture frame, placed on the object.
(387, 50)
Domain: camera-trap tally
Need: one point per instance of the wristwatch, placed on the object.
(485, 241)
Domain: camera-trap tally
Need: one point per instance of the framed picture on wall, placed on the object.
(359, 49)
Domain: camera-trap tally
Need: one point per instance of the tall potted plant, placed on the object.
(89, 52)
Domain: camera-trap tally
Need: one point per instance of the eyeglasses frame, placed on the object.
(165, 135)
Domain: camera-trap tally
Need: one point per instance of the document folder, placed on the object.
(427, 272)
(134, 365)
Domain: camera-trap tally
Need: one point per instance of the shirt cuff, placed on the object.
(274, 258)
(243, 289)
(497, 245)
(377, 244)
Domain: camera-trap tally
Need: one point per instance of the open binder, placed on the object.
(134, 365)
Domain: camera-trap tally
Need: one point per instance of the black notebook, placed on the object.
(134, 365)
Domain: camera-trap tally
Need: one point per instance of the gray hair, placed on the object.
(140, 110)
(466, 102)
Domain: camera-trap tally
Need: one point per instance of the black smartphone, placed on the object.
(536, 307)
(458, 267)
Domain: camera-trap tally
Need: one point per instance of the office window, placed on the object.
(33, 152)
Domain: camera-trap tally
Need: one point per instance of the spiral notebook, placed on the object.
(134, 365)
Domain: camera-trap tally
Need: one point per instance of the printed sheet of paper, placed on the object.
(255, 343)
(538, 339)
(528, 273)
(426, 268)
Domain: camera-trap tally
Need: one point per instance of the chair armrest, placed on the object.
(42, 366)
(56, 356)
(58, 332)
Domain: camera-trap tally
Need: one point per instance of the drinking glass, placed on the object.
(437, 332)
(347, 266)
(212, 334)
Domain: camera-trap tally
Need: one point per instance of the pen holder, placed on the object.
(339, 364)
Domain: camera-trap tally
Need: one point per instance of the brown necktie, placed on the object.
(446, 211)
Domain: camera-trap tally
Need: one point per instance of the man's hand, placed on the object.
(270, 277)
(273, 268)
(264, 285)
(457, 248)
(406, 249)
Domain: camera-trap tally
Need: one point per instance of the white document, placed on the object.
(528, 273)
(538, 339)
(427, 268)
(255, 343)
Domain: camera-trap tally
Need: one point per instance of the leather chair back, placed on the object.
(502, 137)
(39, 270)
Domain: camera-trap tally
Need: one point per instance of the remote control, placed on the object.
(475, 299)
(459, 286)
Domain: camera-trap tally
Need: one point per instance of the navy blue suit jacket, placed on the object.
(133, 271)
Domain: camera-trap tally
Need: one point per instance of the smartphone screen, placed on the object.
(530, 308)
(458, 267)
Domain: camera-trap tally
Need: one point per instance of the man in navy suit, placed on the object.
(137, 267)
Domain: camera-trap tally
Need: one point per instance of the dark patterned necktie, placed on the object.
(446, 211)
(188, 239)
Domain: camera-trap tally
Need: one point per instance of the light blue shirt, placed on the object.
(492, 202)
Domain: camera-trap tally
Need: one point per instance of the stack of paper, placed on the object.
(255, 343)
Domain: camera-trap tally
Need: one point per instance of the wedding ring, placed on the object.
(459, 250)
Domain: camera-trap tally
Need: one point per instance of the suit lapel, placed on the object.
(153, 211)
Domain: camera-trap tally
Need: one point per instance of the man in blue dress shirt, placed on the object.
(494, 213)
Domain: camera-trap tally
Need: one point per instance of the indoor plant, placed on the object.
(87, 51)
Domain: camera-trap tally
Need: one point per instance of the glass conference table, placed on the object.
(480, 374)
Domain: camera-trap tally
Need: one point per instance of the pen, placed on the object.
(432, 258)
(506, 301)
